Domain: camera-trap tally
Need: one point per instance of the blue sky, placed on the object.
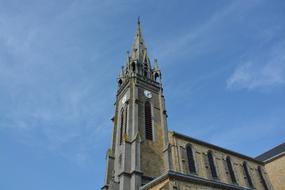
(223, 66)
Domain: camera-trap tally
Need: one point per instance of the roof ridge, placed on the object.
(271, 152)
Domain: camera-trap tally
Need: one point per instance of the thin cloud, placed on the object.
(49, 78)
(262, 71)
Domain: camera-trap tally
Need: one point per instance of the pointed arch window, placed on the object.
(231, 170)
(248, 177)
(121, 125)
(262, 178)
(148, 121)
(190, 158)
(212, 164)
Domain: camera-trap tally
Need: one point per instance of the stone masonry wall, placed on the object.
(276, 172)
(180, 164)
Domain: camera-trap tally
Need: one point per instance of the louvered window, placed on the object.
(212, 165)
(231, 170)
(262, 178)
(191, 162)
(148, 121)
(248, 177)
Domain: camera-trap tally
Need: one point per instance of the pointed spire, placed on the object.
(121, 74)
(139, 25)
(156, 67)
(127, 59)
(138, 50)
(138, 30)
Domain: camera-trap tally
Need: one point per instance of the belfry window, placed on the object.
(248, 177)
(190, 158)
(148, 121)
(120, 82)
(231, 170)
(212, 164)
(121, 125)
(262, 178)
(156, 76)
(133, 67)
(145, 70)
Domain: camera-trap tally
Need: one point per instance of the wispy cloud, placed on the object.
(50, 76)
(264, 69)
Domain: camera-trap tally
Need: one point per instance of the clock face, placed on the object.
(124, 99)
(147, 94)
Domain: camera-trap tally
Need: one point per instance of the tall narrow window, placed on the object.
(191, 162)
(121, 125)
(133, 66)
(145, 70)
(212, 165)
(156, 76)
(262, 178)
(231, 170)
(148, 121)
(120, 82)
(126, 121)
(248, 177)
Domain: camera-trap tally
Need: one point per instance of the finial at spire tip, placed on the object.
(139, 22)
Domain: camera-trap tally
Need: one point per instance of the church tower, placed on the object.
(139, 150)
(144, 155)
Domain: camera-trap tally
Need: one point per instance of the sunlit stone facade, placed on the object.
(274, 160)
(145, 155)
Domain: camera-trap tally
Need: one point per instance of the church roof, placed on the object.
(272, 153)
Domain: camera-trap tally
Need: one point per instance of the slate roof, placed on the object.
(272, 153)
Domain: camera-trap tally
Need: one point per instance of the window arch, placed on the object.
(190, 158)
(212, 164)
(148, 121)
(248, 177)
(262, 178)
(121, 125)
(231, 170)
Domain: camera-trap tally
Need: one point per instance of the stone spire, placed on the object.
(137, 62)
(138, 50)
